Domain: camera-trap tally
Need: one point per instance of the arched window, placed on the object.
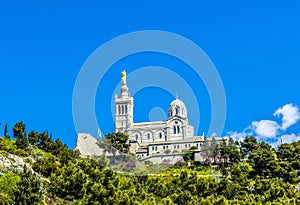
(136, 137)
(148, 135)
(125, 109)
(176, 128)
(160, 135)
(119, 109)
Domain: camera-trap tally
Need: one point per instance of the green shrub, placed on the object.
(167, 151)
(4, 153)
(22, 153)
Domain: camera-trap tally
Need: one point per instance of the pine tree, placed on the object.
(33, 137)
(20, 135)
(5, 131)
(28, 190)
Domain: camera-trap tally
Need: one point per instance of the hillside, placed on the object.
(35, 169)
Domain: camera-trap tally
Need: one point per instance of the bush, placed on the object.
(5, 200)
(28, 189)
(4, 153)
(167, 151)
(28, 160)
(22, 153)
(8, 145)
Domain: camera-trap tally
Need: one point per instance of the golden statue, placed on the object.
(123, 77)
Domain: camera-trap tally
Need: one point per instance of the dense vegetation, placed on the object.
(251, 173)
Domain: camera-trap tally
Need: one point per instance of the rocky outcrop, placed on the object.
(12, 163)
(87, 145)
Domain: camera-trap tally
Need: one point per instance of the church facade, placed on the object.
(156, 140)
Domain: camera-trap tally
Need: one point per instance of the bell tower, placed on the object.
(124, 108)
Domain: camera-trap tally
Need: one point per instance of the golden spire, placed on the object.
(124, 77)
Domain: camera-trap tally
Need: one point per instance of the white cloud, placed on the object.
(290, 115)
(276, 143)
(289, 138)
(265, 128)
(238, 136)
(268, 130)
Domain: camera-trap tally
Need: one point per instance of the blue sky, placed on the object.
(254, 45)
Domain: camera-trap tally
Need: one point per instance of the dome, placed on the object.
(177, 107)
(178, 103)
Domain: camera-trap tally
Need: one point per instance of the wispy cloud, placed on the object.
(238, 136)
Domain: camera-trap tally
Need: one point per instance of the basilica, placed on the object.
(155, 141)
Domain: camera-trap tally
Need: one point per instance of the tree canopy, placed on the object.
(250, 172)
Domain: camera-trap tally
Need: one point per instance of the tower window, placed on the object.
(119, 109)
(160, 135)
(177, 111)
(176, 128)
(136, 137)
(148, 135)
(125, 109)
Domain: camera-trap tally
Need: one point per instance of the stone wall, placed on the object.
(171, 158)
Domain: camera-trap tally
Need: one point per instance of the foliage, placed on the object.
(188, 156)
(255, 174)
(28, 189)
(33, 137)
(167, 151)
(20, 135)
(7, 185)
(5, 131)
(118, 140)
